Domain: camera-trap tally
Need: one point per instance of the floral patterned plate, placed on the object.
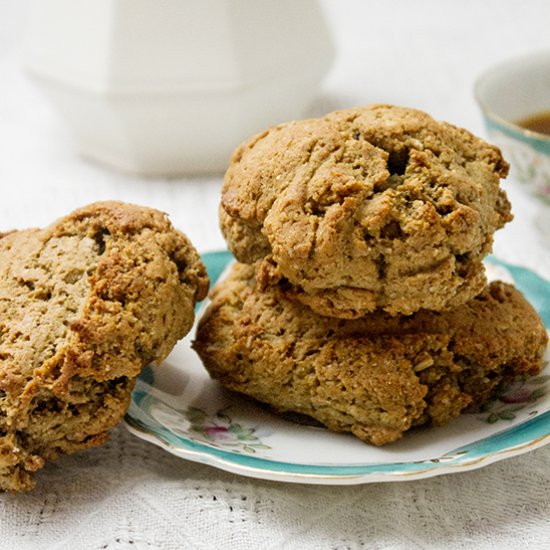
(178, 407)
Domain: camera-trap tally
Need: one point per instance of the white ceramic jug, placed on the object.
(165, 87)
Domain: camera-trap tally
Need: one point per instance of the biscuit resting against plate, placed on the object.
(377, 207)
(85, 304)
(376, 376)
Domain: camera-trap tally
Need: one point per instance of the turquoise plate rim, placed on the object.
(531, 434)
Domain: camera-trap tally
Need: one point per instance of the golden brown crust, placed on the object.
(376, 376)
(85, 304)
(380, 207)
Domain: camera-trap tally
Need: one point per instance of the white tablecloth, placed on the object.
(130, 494)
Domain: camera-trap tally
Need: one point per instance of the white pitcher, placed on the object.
(165, 87)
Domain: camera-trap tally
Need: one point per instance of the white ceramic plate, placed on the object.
(178, 407)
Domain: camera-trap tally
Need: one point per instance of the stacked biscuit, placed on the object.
(360, 297)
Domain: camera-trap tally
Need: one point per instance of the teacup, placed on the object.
(510, 94)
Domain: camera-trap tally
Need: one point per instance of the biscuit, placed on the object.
(377, 376)
(379, 207)
(85, 304)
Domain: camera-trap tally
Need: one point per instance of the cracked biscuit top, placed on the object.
(375, 207)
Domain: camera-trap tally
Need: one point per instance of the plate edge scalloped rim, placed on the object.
(203, 457)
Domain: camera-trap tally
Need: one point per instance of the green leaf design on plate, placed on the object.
(219, 430)
(506, 415)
